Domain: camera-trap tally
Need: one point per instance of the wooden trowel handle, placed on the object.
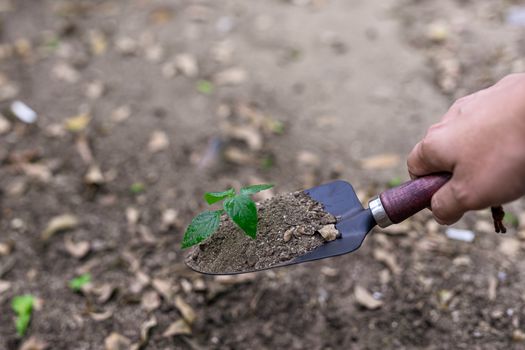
(411, 197)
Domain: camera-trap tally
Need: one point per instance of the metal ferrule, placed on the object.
(378, 212)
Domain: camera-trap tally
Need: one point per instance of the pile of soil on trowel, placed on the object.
(290, 225)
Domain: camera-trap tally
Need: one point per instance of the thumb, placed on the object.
(445, 205)
(432, 154)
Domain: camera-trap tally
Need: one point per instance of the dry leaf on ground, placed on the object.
(5, 125)
(510, 247)
(103, 292)
(251, 136)
(101, 316)
(364, 298)
(120, 114)
(94, 175)
(145, 330)
(132, 216)
(402, 228)
(98, 42)
(231, 76)
(388, 259)
(187, 65)
(161, 15)
(185, 309)
(6, 248)
(38, 171)
(492, 288)
(170, 218)
(78, 122)
(59, 223)
(76, 249)
(381, 161)
(164, 287)
(4, 286)
(236, 279)
(150, 301)
(158, 141)
(34, 343)
(95, 89)
(308, 159)
(65, 72)
(116, 341)
(179, 327)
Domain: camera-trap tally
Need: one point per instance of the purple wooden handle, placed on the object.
(407, 199)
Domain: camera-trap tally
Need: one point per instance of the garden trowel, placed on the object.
(354, 222)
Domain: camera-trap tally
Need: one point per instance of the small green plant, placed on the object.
(205, 87)
(395, 181)
(239, 207)
(23, 307)
(511, 219)
(137, 188)
(77, 283)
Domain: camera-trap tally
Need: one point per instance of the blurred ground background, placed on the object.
(144, 105)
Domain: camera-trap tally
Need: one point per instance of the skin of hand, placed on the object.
(481, 141)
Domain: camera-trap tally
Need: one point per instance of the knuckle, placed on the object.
(426, 146)
(463, 195)
(432, 132)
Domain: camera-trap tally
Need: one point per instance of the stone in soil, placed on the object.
(288, 227)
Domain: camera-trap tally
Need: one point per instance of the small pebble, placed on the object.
(288, 234)
(518, 335)
(329, 232)
(5, 125)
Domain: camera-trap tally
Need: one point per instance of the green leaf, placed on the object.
(394, 182)
(21, 324)
(77, 283)
(214, 197)
(243, 212)
(137, 188)
(277, 127)
(53, 43)
(255, 188)
(205, 87)
(23, 304)
(511, 219)
(23, 307)
(202, 226)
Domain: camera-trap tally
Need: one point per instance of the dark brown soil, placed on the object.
(229, 250)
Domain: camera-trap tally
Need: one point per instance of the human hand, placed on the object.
(481, 141)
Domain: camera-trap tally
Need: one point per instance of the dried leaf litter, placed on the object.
(288, 227)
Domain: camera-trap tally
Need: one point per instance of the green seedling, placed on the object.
(276, 126)
(77, 283)
(394, 182)
(205, 87)
(23, 307)
(52, 43)
(137, 188)
(511, 219)
(239, 206)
